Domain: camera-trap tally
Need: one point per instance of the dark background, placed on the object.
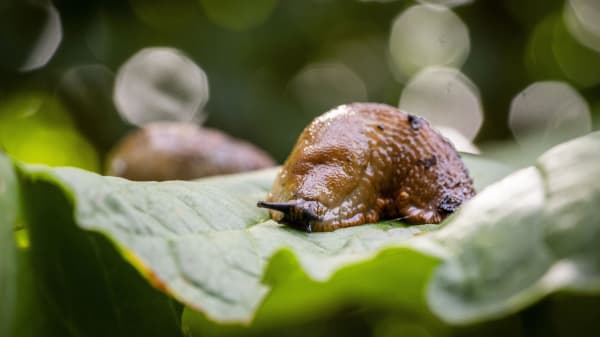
(250, 65)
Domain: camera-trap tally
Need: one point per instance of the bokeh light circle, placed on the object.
(165, 15)
(553, 52)
(426, 35)
(446, 98)
(447, 3)
(364, 56)
(99, 36)
(540, 60)
(581, 65)
(238, 14)
(324, 85)
(582, 18)
(30, 33)
(460, 142)
(87, 91)
(547, 113)
(161, 84)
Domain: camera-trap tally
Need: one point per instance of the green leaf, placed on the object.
(533, 233)
(36, 128)
(33, 317)
(8, 249)
(23, 312)
(85, 285)
(391, 281)
(485, 171)
(205, 242)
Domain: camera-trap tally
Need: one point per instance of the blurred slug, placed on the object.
(365, 162)
(170, 150)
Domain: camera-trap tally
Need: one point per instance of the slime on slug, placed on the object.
(365, 162)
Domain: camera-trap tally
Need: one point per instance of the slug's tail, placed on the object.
(297, 214)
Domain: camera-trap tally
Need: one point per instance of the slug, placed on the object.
(365, 162)
(170, 150)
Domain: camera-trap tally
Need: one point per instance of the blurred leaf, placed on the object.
(172, 15)
(87, 92)
(579, 63)
(8, 250)
(540, 59)
(22, 310)
(36, 128)
(485, 171)
(238, 14)
(531, 234)
(33, 316)
(80, 281)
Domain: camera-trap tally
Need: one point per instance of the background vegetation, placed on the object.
(271, 65)
(508, 79)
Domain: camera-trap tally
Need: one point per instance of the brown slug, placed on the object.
(170, 150)
(365, 162)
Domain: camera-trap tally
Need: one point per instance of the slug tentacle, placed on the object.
(299, 214)
(364, 162)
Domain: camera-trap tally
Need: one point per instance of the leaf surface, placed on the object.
(206, 244)
(8, 250)
(529, 235)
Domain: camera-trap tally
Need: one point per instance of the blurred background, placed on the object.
(76, 76)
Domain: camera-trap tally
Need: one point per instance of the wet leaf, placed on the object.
(207, 245)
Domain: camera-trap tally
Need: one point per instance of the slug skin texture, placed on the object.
(365, 162)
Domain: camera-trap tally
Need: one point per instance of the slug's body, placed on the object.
(183, 151)
(364, 162)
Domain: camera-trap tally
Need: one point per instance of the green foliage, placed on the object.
(531, 234)
(98, 245)
(85, 283)
(36, 128)
(8, 248)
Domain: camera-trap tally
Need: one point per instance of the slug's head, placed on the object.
(300, 214)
